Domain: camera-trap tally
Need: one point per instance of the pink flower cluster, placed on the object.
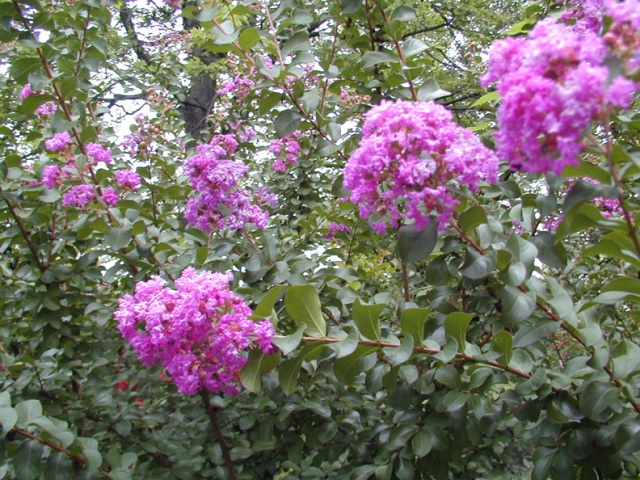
(240, 86)
(334, 228)
(99, 153)
(553, 84)
(585, 15)
(408, 155)
(59, 142)
(222, 202)
(199, 332)
(286, 150)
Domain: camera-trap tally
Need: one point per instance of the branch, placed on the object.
(126, 17)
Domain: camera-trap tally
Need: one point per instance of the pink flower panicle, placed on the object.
(585, 16)
(623, 36)
(222, 202)
(199, 332)
(78, 196)
(408, 154)
(286, 150)
(59, 142)
(240, 86)
(553, 84)
(334, 228)
(110, 196)
(47, 108)
(99, 153)
(51, 176)
(128, 179)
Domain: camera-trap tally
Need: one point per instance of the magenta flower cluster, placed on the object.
(199, 331)
(409, 154)
(98, 153)
(240, 86)
(59, 142)
(286, 150)
(553, 84)
(221, 201)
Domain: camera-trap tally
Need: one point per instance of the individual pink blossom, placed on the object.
(51, 176)
(552, 84)
(200, 331)
(221, 202)
(410, 153)
(99, 153)
(47, 108)
(128, 179)
(59, 142)
(78, 196)
(110, 196)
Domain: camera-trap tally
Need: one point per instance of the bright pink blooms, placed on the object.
(286, 150)
(99, 153)
(199, 332)
(78, 196)
(553, 84)
(410, 152)
(334, 228)
(110, 196)
(27, 91)
(47, 108)
(222, 202)
(59, 142)
(128, 179)
(240, 86)
(51, 176)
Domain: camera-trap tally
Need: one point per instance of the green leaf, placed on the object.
(626, 359)
(290, 369)
(415, 245)
(298, 43)
(471, 218)
(421, 443)
(530, 334)
(28, 412)
(502, 342)
(371, 59)
(412, 323)
(550, 253)
(348, 367)
(477, 266)
(257, 364)
(303, 305)
(118, 238)
(516, 304)
(455, 400)
(8, 418)
(347, 346)
(522, 251)
(265, 307)
(596, 398)
(431, 91)
(403, 13)
(413, 46)
(289, 343)
(618, 289)
(58, 467)
(249, 38)
(367, 318)
(486, 98)
(400, 354)
(456, 325)
(26, 460)
(286, 123)
(225, 33)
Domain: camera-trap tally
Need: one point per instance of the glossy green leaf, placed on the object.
(517, 305)
(530, 334)
(367, 318)
(289, 370)
(347, 368)
(412, 322)
(265, 307)
(303, 305)
(456, 325)
(415, 245)
(257, 364)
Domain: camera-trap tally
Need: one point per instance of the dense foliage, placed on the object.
(303, 240)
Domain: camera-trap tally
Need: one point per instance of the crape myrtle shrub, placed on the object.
(356, 239)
